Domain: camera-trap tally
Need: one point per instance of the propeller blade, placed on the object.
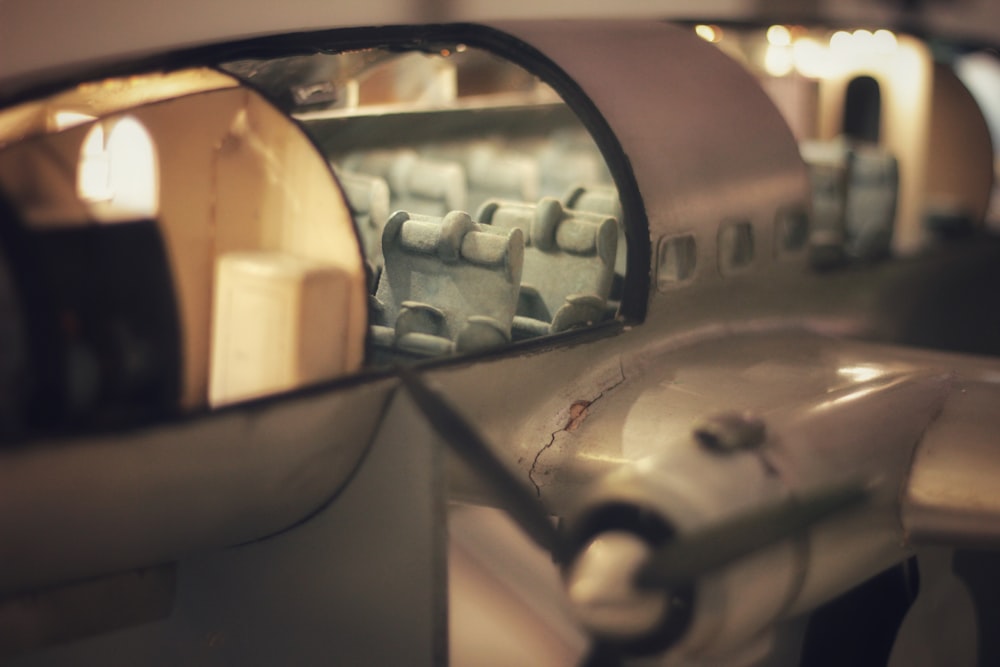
(690, 557)
(466, 442)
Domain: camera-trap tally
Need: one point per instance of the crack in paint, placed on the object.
(578, 412)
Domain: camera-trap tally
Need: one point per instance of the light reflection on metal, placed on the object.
(851, 397)
(604, 458)
(861, 372)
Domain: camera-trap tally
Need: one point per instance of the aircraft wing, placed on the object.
(951, 495)
(724, 432)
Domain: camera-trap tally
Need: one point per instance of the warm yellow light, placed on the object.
(863, 43)
(117, 175)
(884, 41)
(93, 179)
(811, 58)
(861, 372)
(841, 40)
(709, 33)
(862, 39)
(779, 35)
(778, 60)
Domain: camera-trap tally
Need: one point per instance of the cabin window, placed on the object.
(791, 231)
(736, 246)
(677, 259)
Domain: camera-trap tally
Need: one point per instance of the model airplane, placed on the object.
(254, 290)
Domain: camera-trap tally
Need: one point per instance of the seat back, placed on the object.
(603, 200)
(416, 184)
(569, 256)
(449, 278)
(492, 170)
(368, 199)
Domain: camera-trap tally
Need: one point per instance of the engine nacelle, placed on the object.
(729, 469)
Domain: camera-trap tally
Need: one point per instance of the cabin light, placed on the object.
(779, 35)
(811, 58)
(841, 41)
(778, 60)
(864, 43)
(93, 182)
(862, 40)
(709, 33)
(117, 171)
(884, 41)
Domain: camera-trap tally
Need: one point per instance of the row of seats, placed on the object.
(515, 270)
(443, 177)
(461, 175)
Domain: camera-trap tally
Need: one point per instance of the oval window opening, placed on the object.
(485, 210)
